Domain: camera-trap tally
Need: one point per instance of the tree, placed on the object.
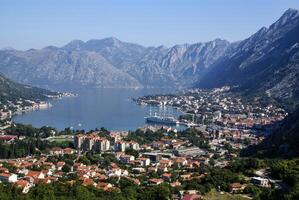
(66, 168)
(84, 160)
(132, 152)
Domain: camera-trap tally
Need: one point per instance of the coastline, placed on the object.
(39, 105)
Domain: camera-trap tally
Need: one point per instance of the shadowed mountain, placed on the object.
(12, 91)
(283, 142)
(265, 63)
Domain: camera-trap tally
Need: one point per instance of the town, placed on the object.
(218, 109)
(9, 108)
(220, 126)
(148, 156)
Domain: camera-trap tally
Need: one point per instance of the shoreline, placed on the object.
(40, 105)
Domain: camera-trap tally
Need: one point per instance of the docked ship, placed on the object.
(161, 118)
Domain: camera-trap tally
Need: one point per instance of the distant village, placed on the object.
(10, 108)
(218, 110)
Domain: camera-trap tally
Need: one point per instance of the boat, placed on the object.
(161, 119)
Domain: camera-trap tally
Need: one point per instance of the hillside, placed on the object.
(12, 91)
(267, 63)
(283, 142)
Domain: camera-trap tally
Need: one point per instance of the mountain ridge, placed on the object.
(265, 63)
(136, 65)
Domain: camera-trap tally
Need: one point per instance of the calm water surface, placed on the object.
(95, 108)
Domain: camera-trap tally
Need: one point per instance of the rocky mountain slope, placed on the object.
(265, 63)
(111, 63)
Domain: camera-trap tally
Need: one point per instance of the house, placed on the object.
(166, 176)
(120, 146)
(236, 187)
(35, 176)
(59, 165)
(165, 163)
(180, 161)
(186, 176)
(132, 145)
(263, 182)
(47, 172)
(124, 172)
(101, 177)
(68, 151)
(155, 181)
(134, 180)
(144, 161)
(56, 151)
(126, 158)
(138, 170)
(175, 184)
(87, 182)
(158, 145)
(58, 174)
(152, 169)
(8, 177)
(162, 168)
(48, 180)
(104, 186)
(192, 197)
(24, 185)
(8, 138)
(49, 165)
(3, 169)
(115, 171)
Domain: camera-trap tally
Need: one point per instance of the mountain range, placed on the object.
(266, 63)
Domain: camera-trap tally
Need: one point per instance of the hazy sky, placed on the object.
(28, 24)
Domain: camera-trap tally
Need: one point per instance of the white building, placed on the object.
(120, 146)
(8, 177)
(263, 182)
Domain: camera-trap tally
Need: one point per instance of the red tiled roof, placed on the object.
(5, 175)
(8, 137)
(191, 197)
(22, 183)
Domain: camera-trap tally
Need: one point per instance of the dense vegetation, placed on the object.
(63, 191)
(216, 179)
(33, 143)
(282, 143)
(148, 136)
(12, 91)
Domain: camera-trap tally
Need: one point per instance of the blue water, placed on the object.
(95, 108)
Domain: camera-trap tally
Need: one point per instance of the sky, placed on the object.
(26, 24)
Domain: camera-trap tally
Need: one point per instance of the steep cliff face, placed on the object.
(265, 63)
